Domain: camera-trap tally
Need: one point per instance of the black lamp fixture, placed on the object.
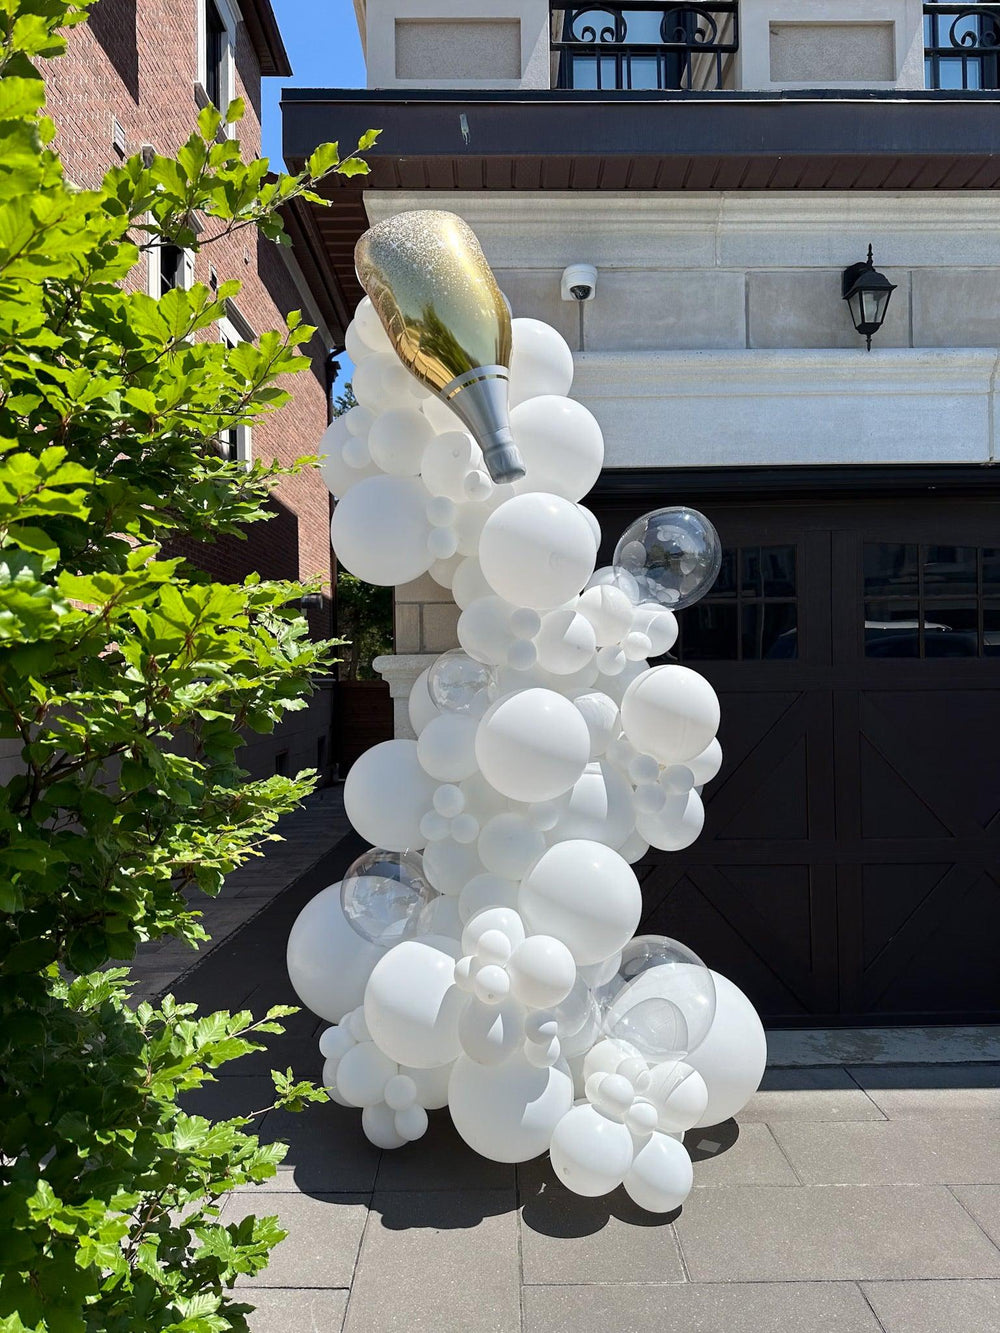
(867, 294)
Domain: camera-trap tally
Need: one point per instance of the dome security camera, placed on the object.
(579, 282)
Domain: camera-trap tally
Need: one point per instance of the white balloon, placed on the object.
(565, 642)
(440, 415)
(486, 891)
(634, 848)
(449, 865)
(705, 766)
(363, 1073)
(367, 379)
(440, 917)
(732, 1057)
(387, 794)
(661, 1175)
(484, 630)
(600, 712)
(532, 746)
(590, 1152)
(379, 530)
(379, 1124)
(542, 972)
(411, 1123)
(609, 611)
(421, 707)
(490, 1033)
(560, 444)
(335, 1042)
(586, 895)
(333, 467)
(412, 1004)
(536, 550)
(369, 328)
(670, 712)
(481, 799)
(431, 1085)
(446, 747)
(328, 1078)
(675, 825)
(328, 962)
(468, 585)
(659, 624)
(508, 845)
(508, 1113)
(359, 421)
(598, 807)
(540, 362)
(447, 461)
(353, 345)
(679, 1094)
(397, 440)
(443, 571)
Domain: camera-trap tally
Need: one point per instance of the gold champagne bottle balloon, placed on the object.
(440, 304)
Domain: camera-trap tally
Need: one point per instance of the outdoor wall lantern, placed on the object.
(867, 294)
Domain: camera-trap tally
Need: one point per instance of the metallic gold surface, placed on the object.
(435, 294)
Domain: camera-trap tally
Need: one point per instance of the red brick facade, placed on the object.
(138, 61)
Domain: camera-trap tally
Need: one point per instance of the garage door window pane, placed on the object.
(777, 568)
(892, 629)
(751, 613)
(950, 569)
(711, 632)
(991, 569)
(951, 629)
(991, 629)
(891, 569)
(769, 631)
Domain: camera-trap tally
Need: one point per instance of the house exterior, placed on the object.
(721, 165)
(134, 77)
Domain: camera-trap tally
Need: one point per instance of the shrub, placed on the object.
(126, 679)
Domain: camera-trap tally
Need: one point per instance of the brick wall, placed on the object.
(137, 60)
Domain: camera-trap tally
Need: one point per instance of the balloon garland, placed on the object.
(481, 956)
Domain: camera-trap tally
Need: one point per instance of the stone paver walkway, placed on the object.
(849, 1198)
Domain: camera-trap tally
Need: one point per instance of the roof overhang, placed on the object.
(262, 28)
(579, 141)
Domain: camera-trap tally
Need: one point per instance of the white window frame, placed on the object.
(234, 329)
(229, 13)
(154, 270)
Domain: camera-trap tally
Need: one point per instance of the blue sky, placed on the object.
(321, 37)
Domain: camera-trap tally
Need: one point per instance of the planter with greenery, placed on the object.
(126, 677)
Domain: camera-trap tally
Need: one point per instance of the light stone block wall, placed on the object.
(831, 43)
(719, 337)
(500, 44)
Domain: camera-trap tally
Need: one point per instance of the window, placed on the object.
(235, 442)
(961, 46)
(931, 601)
(217, 45)
(751, 613)
(656, 46)
(168, 266)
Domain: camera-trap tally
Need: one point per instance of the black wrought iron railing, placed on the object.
(961, 46)
(646, 45)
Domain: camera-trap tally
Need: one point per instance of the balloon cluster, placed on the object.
(481, 955)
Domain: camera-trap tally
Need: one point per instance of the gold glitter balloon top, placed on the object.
(434, 292)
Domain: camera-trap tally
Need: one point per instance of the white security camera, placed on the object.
(579, 282)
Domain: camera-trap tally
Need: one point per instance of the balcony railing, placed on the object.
(961, 46)
(646, 45)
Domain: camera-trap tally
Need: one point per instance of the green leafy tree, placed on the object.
(127, 679)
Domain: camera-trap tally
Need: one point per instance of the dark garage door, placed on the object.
(848, 871)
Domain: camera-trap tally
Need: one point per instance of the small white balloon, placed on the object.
(491, 1033)
(484, 630)
(542, 972)
(679, 1094)
(590, 1152)
(363, 1073)
(411, 1123)
(565, 642)
(379, 1124)
(369, 328)
(469, 585)
(600, 712)
(400, 1092)
(541, 361)
(508, 845)
(501, 920)
(490, 984)
(705, 766)
(446, 747)
(397, 440)
(609, 611)
(661, 1175)
(486, 891)
(335, 1042)
(675, 825)
(447, 461)
(536, 550)
(366, 381)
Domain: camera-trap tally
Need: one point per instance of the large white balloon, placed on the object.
(537, 550)
(421, 707)
(446, 747)
(671, 713)
(661, 1176)
(560, 444)
(565, 643)
(540, 363)
(507, 1113)
(542, 972)
(732, 1057)
(380, 529)
(328, 962)
(412, 1004)
(586, 895)
(532, 746)
(491, 1033)
(397, 440)
(387, 794)
(590, 1152)
(598, 807)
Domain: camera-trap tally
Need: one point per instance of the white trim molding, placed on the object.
(753, 408)
(400, 671)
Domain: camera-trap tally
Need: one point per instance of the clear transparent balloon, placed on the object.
(673, 554)
(459, 684)
(662, 997)
(383, 894)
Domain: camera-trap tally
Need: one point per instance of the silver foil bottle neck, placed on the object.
(479, 399)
